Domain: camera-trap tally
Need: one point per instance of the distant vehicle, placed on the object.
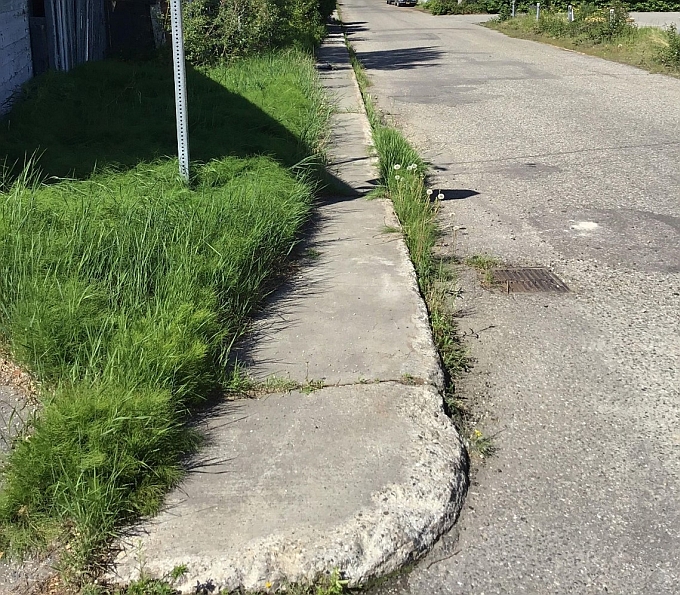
(403, 2)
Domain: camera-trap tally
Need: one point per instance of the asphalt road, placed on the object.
(551, 158)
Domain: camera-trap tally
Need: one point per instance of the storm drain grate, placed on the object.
(527, 280)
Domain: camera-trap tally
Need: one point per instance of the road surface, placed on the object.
(551, 158)
(656, 19)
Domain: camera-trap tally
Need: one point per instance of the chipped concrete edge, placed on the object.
(457, 487)
(402, 522)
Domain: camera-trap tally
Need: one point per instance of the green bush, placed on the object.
(493, 6)
(561, 5)
(301, 24)
(440, 7)
(218, 30)
(650, 5)
(670, 54)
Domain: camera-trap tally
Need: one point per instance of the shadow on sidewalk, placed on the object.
(401, 59)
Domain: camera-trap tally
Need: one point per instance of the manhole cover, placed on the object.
(529, 280)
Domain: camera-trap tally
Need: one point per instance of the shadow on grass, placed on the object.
(118, 114)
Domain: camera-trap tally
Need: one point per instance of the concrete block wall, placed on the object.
(15, 49)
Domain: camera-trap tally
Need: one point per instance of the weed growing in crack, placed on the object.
(482, 443)
(249, 388)
(485, 265)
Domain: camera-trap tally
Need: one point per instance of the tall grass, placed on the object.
(402, 171)
(669, 53)
(125, 290)
(403, 174)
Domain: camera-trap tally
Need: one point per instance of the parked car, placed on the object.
(403, 2)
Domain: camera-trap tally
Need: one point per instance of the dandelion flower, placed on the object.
(440, 196)
(397, 177)
(429, 191)
(414, 166)
(397, 166)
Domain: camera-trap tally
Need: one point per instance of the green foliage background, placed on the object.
(439, 7)
(216, 30)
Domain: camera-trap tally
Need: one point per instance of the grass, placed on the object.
(273, 384)
(649, 48)
(119, 114)
(122, 289)
(482, 443)
(330, 584)
(485, 264)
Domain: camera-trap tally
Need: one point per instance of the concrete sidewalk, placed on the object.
(358, 469)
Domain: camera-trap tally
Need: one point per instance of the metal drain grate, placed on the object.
(527, 280)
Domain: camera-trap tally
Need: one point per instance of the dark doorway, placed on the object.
(130, 27)
(37, 24)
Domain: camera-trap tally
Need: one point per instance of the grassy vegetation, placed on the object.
(330, 584)
(442, 7)
(485, 264)
(123, 289)
(119, 114)
(594, 32)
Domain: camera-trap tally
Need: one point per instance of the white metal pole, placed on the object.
(538, 10)
(180, 88)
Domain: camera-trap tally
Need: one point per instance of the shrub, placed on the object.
(217, 30)
(440, 7)
(670, 54)
(561, 5)
(591, 24)
(301, 23)
(654, 6)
